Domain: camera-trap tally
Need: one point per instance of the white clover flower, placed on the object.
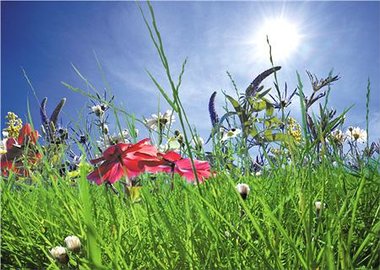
(73, 243)
(259, 173)
(160, 121)
(97, 110)
(356, 134)
(60, 254)
(232, 133)
(243, 189)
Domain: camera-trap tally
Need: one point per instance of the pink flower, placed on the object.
(122, 160)
(174, 163)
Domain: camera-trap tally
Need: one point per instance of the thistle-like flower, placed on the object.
(73, 243)
(356, 134)
(60, 254)
(243, 189)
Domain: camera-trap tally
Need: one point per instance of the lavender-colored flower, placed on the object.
(254, 86)
(211, 108)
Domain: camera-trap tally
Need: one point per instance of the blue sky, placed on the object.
(45, 38)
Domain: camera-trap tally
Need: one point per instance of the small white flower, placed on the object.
(60, 254)
(259, 173)
(198, 142)
(173, 144)
(161, 120)
(73, 243)
(338, 136)
(3, 146)
(243, 189)
(97, 110)
(5, 134)
(105, 129)
(318, 205)
(232, 133)
(356, 134)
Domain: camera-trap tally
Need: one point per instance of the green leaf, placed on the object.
(242, 116)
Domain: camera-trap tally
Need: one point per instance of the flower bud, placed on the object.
(243, 189)
(60, 254)
(73, 243)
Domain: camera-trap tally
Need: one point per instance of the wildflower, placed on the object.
(60, 254)
(105, 129)
(122, 159)
(174, 163)
(198, 142)
(14, 125)
(319, 206)
(173, 144)
(211, 108)
(3, 146)
(243, 189)
(73, 243)
(160, 121)
(15, 150)
(98, 110)
(294, 129)
(109, 140)
(356, 134)
(337, 136)
(232, 133)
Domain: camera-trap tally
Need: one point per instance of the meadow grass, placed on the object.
(276, 227)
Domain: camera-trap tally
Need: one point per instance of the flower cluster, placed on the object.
(294, 129)
(14, 124)
(130, 160)
(17, 148)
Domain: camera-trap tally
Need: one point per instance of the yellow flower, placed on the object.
(294, 129)
(14, 125)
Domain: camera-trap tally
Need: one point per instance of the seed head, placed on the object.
(243, 189)
(73, 243)
(60, 254)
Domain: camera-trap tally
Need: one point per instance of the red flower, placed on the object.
(173, 162)
(122, 160)
(15, 149)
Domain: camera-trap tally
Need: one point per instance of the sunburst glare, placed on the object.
(284, 37)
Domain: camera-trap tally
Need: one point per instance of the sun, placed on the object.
(284, 38)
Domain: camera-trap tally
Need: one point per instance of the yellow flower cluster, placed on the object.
(14, 125)
(294, 129)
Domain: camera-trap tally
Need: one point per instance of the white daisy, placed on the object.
(338, 136)
(232, 133)
(356, 134)
(160, 120)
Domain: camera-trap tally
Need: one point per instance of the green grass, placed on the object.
(275, 228)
